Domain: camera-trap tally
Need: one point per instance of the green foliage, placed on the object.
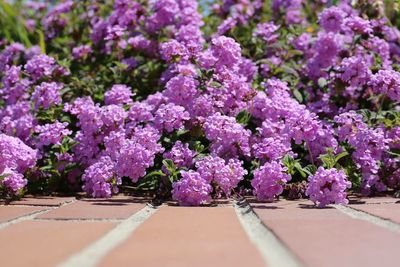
(298, 172)
(330, 160)
(243, 117)
(12, 24)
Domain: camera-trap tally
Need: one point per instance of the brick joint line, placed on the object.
(95, 252)
(79, 219)
(272, 249)
(43, 205)
(32, 215)
(365, 216)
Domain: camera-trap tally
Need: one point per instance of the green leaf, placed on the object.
(243, 117)
(340, 156)
(155, 173)
(310, 169)
(3, 176)
(169, 164)
(42, 43)
(215, 84)
(298, 95)
(300, 169)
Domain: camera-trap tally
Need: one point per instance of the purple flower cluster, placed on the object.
(269, 180)
(40, 66)
(52, 134)
(226, 175)
(331, 19)
(47, 94)
(100, 179)
(170, 117)
(181, 155)
(267, 32)
(369, 145)
(130, 86)
(191, 190)
(138, 153)
(328, 186)
(386, 82)
(15, 159)
(228, 137)
(13, 181)
(119, 94)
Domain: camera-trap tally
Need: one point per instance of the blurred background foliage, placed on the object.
(13, 27)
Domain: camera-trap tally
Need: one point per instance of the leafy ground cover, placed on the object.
(201, 101)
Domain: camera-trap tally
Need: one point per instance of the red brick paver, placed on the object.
(389, 211)
(43, 201)
(373, 200)
(8, 213)
(179, 236)
(115, 208)
(46, 243)
(327, 237)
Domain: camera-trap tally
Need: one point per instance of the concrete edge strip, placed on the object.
(32, 215)
(95, 252)
(362, 215)
(272, 250)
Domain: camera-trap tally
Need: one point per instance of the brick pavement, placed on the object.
(127, 231)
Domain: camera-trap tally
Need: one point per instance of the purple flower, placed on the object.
(227, 25)
(386, 82)
(226, 175)
(181, 90)
(15, 154)
(191, 189)
(327, 46)
(228, 138)
(165, 12)
(331, 19)
(369, 147)
(267, 32)
(47, 94)
(208, 167)
(328, 186)
(114, 142)
(81, 52)
(52, 134)
(119, 94)
(355, 71)
(181, 155)
(271, 148)
(269, 180)
(302, 125)
(140, 112)
(100, 179)
(113, 116)
(114, 32)
(226, 50)
(40, 66)
(138, 153)
(173, 51)
(302, 43)
(358, 25)
(230, 175)
(15, 88)
(170, 117)
(13, 182)
(11, 76)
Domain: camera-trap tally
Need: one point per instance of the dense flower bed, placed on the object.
(198, 102)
